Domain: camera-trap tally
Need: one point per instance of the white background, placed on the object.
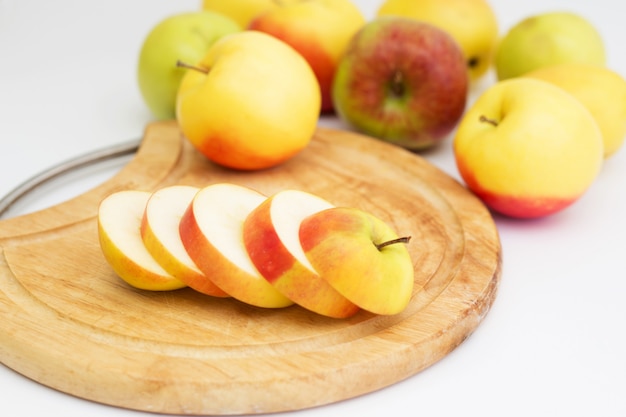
(554, 342)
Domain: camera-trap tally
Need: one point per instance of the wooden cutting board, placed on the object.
(68, 322)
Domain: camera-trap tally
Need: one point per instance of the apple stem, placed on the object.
(404, 239)
(182, 64)
(485, 119)
(397, 84)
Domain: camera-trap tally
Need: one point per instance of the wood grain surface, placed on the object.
(68, 322)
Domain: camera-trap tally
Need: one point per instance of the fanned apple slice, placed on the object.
(161, 236)
(119, 224)
(212, 233)
(361, 257)
(270, 235)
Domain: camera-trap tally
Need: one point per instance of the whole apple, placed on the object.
(186, 37)
(472, 23)
(320, 30)
(251, 103)
(527, 148)
(402, 81)
(601, 90)
(548, 39)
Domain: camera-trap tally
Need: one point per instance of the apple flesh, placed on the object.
(402, 81)
(319, 30)
(160, 235)
(361, 257)
(271, 238)
(119, 222)
(527, 148)
(211, 230)
(185, 37)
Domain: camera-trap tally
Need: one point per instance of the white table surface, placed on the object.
(554, 342)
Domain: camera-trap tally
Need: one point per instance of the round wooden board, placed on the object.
(68, 322)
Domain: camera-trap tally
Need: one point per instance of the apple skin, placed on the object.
(319, 30)
(548, 39)
(601, 90)
(402, 81)
(270, 233)
(340, 243)
(160, 235)
(211, 230)
(472, 23)
(119, 221)
(238, 125)
(243, 11)
(185, 37)
(527, 148)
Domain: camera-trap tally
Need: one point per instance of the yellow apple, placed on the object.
(601, 90)
(472, 23)
(185, 37)
(361, 257)
(271, 237)
(119, 222)
(527, 148)
(253, 102)
(160, 235)
(548, 39)
(319, 29)
(212, 233)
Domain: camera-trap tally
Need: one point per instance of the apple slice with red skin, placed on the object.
(119, 223)
(361, 257)
(160, 235)
(211, 230)
(270, 235)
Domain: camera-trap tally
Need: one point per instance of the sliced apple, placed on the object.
(270, 235)
(361, 257)
(119, 224)
(160, 234)
(211, 230)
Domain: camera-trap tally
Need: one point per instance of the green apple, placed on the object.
(403, 81)
(548, 39)
(185, 37)
(160, 235)
(211, 231)
(119, 222)
(527, 148)
(319, 30)
(472, 23)
(271, 237)
(361, 257)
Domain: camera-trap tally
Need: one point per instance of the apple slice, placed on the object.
(119, 224)
(361, 257)
(159, 231)
(270, 235)
(211, 230)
